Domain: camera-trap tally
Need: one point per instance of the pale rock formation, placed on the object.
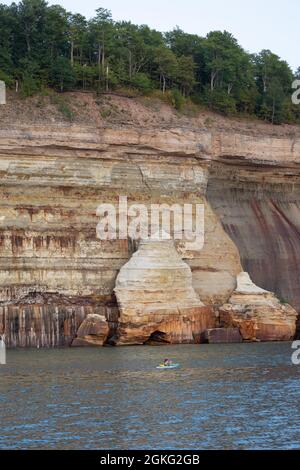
(93, 331)
(156, 297)
(216, 266)
(245, 286)
(258, 313)
(2, 92)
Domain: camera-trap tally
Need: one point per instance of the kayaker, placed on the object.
(167, 362)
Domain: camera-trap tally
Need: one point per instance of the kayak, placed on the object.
(171, 366)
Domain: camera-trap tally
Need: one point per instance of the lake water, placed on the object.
(241, 396)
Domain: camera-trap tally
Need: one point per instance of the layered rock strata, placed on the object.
(53, 269)
(156, 297)
(258, 203)
(257, 313)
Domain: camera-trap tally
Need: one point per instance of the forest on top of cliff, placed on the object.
(44, 46)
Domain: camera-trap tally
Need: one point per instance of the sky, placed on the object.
(256, 24)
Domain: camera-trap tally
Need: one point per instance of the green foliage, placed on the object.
(220, 100)
(274, 79)
(6, 78)
(31, 81)
(43, 45)
(30, 86)
(85, 76)
(208, 121)
(61, 76)
(185, 76)
(105, 113)
(166, 63)
(178, 99)
(63, 107)
(283, 301)
(142, 82)
(184, 44)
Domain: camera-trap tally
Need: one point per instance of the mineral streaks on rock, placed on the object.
(259, 208)
(36, 325)
(53, 179)
(222, 335)
(257, 313)
(93, 331)
(156, 298)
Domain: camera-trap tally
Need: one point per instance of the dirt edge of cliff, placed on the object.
(115, 109)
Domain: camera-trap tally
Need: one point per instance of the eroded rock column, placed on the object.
(258, 313)
(156, 298)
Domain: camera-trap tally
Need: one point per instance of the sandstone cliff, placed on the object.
(257, 313)
(156, 298)
(54, 272)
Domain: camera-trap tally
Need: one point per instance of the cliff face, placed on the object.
(54, 272)
(260, 210)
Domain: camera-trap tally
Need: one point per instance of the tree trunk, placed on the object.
(164, 83)
(265, 85)
(130, 65)
(264, 79)
(99, 62)
(212, 80)
(229, 88)
(72, 52)
(273, 111)
(103, 54)
(28, 44)
(107, 71)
